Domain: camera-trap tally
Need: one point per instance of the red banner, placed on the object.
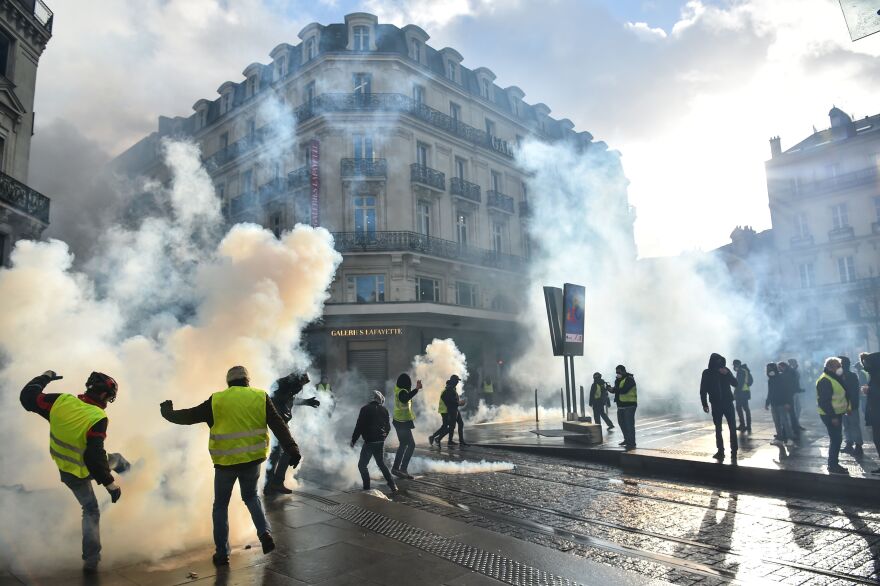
(315, 179)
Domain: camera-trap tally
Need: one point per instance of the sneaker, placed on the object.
(749, 429)
(789, 443)
(398, 473)
(847, 449)
(623, 443)
(463, 443)
(408, 476)
(90, 568)
(431, 440)
(276, 488)
(629, 447)
(220, 559)
(719, 455)
(741, 427)
(451, 443)
(611, 428)
(859, 451)
(394, 490)
(776, 442)
(837, 469)
(267, 542)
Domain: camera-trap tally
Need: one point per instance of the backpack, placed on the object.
(750, 378)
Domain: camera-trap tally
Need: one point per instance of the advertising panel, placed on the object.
(574, 312)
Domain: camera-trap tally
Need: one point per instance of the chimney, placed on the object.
(775, 147)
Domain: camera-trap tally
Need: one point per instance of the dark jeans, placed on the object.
(835, 434)
(719, 413)
(406, 447)
(743, 411)
(91, 515)
(626, 419)
(279, 462)
(445, 428)
(452, 424)
(224, 481)
(599, 411)
(375, 450)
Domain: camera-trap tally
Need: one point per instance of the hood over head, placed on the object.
(771, 367)
(404, 382)
(716, 361)
(845, 362)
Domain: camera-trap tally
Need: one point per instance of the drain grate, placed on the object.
(478, 560)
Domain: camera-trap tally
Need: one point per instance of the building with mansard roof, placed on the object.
(408, 157)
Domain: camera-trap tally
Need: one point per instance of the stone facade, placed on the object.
(25, 29)
(408, 158)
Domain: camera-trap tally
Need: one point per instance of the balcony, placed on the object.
(273, 190)
(40, 12)
(239, 148)
(243, 203)
(499, 201)
(300, 178)
(369, 168)
(24, 199)
(427, 245)
(842, 233)
(859, 178)
(399, 103)
(525, 210)
(465, 190)
(802, 241)
(427, 176)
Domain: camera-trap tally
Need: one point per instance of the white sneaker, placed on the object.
(776, 442)
(789, 444)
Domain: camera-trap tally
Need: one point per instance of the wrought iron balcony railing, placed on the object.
(23, 198)
(327, 103)
(499, 201)
(299, 178)
(428, 245)
(465, 189)
(272, 190)
(801, 241)
(843, 181)
(427, 176)
(243, 202)
(525, 209)
(364, 168)
(842, 233)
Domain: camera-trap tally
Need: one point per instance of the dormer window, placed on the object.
(280, 68)
(202, 119)
(486, 89)
(416, 50)
(361, 38)
(227, 102)
(311, 48)
(451, 69)
(251, 86)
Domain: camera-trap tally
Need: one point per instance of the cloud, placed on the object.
(645, 32)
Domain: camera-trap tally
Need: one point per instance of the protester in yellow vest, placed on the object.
(240, 418)
(833, 405)
(600, 401)
(404, 423)
(626, 397)
(77, 429)
(488, 392)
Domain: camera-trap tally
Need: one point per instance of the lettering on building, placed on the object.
(345, 333)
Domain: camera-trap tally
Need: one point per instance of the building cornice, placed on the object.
(26, 24)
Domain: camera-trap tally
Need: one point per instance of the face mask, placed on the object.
(839, 372)
(771, 374)
(618, 375)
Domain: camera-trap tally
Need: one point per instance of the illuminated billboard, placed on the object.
(574, 308)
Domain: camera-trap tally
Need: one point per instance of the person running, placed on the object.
(742, 394)
(716, 385)
(779, 402)
(833, 405)
(240, 418)
(448, 409)
(284, 399)
(404, 423)
(599, 401)
(77, 430)
(626, 397)
(372, 425)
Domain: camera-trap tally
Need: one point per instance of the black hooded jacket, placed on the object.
(779, 391)
(714, 386)
(851, 383)
(871, 363)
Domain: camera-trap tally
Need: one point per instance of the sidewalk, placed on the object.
(684, 445)
(339, 539)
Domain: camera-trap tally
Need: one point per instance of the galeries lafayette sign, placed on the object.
(348, 333)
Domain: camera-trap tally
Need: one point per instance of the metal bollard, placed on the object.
(583, 408)
(536, 405)
(562, 400)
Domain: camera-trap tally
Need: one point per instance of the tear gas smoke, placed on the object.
(419, 465)
(511, 413)
(441, 360)
(166, 309)
(661, 317)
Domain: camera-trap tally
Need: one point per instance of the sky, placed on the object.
(689, 91)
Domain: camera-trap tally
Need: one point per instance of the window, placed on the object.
(367, 288)
(423, 218)
(227, 102)
(808, 275)
(465, 294)
(311, 48)
(451, 69)
(251, 85)
(415, 50)
(363, 83)
(224, 140)
(306, 154)
(251, 127)
(419, 94)
(310, 92)
(247, 181)
(490, 127)
(519, 141)
(276, 170)
(876, 201)
(460, 168)
(455, 111)
(280, 67)
(202, 118)
(363, 147)
(3, 238)
(801, 228)
(514, 107)
(496, 182)
(275, 224)
(365, 215)
(422, 154)
(486, 89)
(361, 38)
(461, 227)
(847, 269)
(5, 54)
(525, 190)
(839, 216)
(427, 289)
(498, 229)
(221, 192)
(832, 170)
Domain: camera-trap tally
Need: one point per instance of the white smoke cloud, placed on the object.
(166, 309)
(441, 360)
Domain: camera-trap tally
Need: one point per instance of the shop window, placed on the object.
(367, 288)
(427, 289)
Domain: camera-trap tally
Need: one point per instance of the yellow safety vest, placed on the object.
(839, 402)
(239, 434)
(746, 386)
(630, 396)
(597, 393)
(442, 408)
(488, 388)
(324, 387)
(69, 420)
(402, 411)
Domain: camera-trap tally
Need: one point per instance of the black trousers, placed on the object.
(719, 413)
(456, 422)
(447, 427)
(279, 462)
(835, 435)
(376, 451)
(743, 411)
(407, 445)
(600, 411)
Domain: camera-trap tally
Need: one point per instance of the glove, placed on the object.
(117, 463)
(166, 407)
(52, 375)
(295, 458)
(312, 402)
(115, 491)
